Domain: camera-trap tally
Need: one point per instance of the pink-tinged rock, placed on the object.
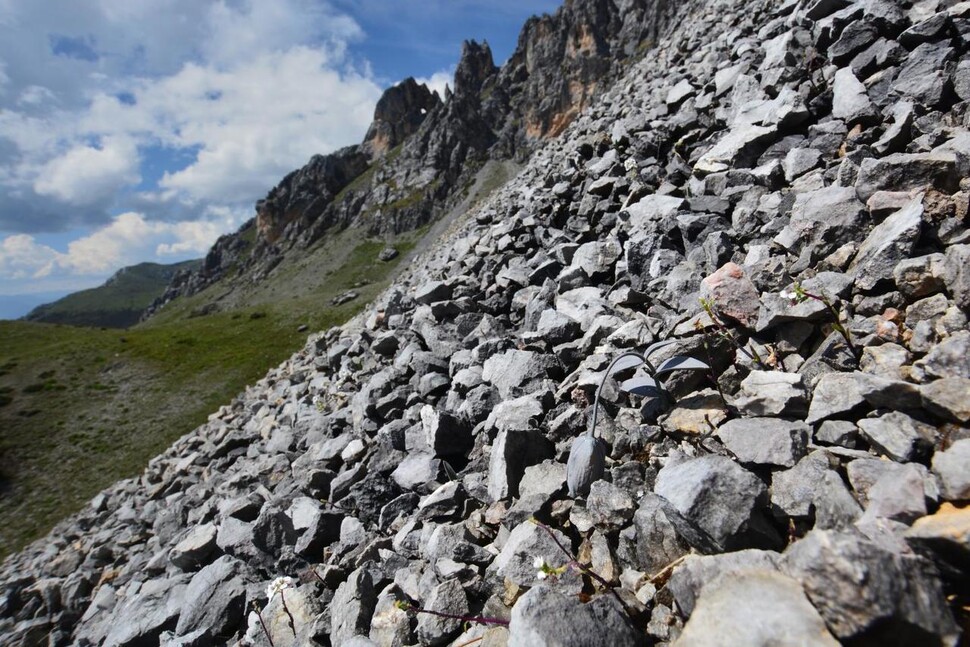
(733, 294)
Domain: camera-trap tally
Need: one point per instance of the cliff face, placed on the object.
(421, 152)
(796, 221)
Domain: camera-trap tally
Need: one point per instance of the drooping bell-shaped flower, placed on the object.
(587, 461)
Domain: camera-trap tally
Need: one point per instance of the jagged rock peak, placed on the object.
(474, 68)
(307, 191)
(399, 112)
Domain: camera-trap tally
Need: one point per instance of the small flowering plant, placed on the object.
(544, 569)
(318, 403)
(279, 585)
(797, 294)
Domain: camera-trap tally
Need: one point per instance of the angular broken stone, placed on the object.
(952, 466)
(890, 242)
(772, 393)
(695, 572)
(446, 598)
(898, 436)
(215, 599)
(432, 292)
(906, 171)
(754, 607)
(720, 497)
(850, 102)
(765, 441)
(545, 616)
(859, 586)
(608, 505)
(513, 451)
(948, 398)
(945, 536)
(812, 488)
(732, 294)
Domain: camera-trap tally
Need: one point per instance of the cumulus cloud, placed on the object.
(129, 238)
(21, 257)
(438, 81)
(248, 89)
(87, 175)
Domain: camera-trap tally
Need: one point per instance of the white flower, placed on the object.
(316, 399)
(253, 630)
(789, 295)
(278, 586)
(542, 575)
(539, 562)
(630, 165)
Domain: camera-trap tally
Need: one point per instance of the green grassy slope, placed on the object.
(116, 304)
(83, 407)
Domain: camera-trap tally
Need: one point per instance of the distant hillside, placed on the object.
(116, 304)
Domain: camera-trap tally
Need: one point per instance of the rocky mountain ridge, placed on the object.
(422, 152)
(119, 302)
(780, 188)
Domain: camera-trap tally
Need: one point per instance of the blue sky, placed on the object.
(141, 130)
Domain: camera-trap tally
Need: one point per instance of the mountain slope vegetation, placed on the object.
(118, 303)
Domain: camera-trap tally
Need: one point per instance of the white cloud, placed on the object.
(270, 116)
(126, 240)
(34, 95)
(88, 175)
(250, 89)
(439, 80)
(21, 257)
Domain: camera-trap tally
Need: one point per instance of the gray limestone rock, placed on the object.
(597, 258)
(352, 607)
(813, 488)
(948, 398)
(755, 607)
(822, 221)
(544, 617)
(692, 576)
(526, 543)
(514, 371)
(194, 549)
(889, 490)
(838, 394)
(952, 466)
(922, 79)
(513, 451)
(143, 615)
(862, 589)
(736, 149)
(545, 478)
(214, 600)
(957, 274)
(765, 441)
(920, 276)
(889, 243)
(432, 292)
(449, 598)
(720, 497)
(772, 393)
(950, 358)
(445, 433)
(907, 171)
(662, 534)
(898, 436)
(850, 102)
(608, 505)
